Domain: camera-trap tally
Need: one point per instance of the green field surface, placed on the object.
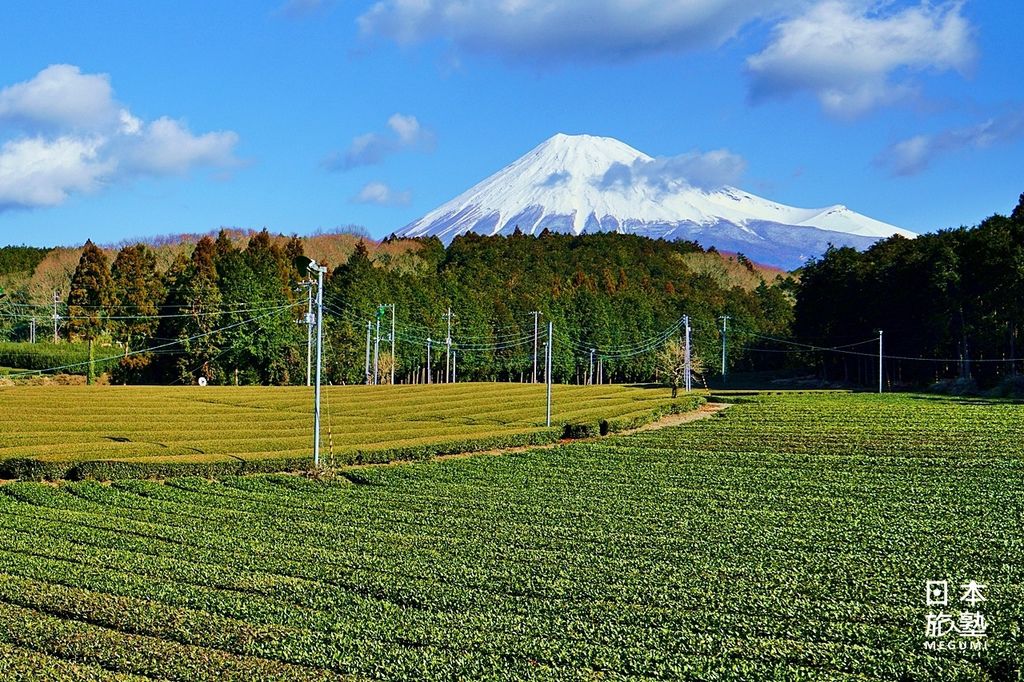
(788, 539)
(155, 428)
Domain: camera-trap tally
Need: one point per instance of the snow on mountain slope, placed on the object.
(583, 183)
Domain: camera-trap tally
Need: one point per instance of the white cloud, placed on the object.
(846, 53)
(372, 148)
(854, 55)
(71, 136)
(35, 171)
(166, 147)
(61, 96)
(704, 170)
(407, 128)
(538, 31)
(915, 154)
(380, 194)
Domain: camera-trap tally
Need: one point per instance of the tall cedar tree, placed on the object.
(90, 299)
(138, 293)
(193, 293)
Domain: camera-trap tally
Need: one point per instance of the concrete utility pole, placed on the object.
(32, 330)
(879, 360)
(686, 345)
(320, 270)
(547, 371)
(448, 347)
(429, 379)
(590, 372)
(56, 317)
(394, 353)
(725, 336)
(309, 332)
(366, 370)
(536, 318)
(376, 353)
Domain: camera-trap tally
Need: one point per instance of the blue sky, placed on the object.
(121, 120)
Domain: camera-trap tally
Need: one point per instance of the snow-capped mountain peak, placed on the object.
(585, 183)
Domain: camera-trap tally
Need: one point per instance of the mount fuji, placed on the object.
(582, 184)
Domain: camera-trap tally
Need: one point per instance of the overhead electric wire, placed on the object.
(153, 348)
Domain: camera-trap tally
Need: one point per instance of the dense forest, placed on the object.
(950, 304)
(228, 310)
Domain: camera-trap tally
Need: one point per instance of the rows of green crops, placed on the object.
(788, 539)
(145, 426)
(21, 358)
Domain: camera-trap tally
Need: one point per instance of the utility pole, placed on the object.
(725, 336)
(394, 353)
(536, 317)
(320, 270)
(309, 332)
(429, 371)
(547, 372)
(590, 372)
(56, 317)
(32, 330)
(686, 370)
(453, 365)
(448, 347)
(376, 352)
(879, 360)
(366, 370)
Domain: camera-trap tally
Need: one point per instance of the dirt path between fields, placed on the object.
(706, 410)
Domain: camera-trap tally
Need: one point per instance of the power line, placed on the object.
(152, 348)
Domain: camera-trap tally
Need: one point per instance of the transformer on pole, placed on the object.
(307, 265)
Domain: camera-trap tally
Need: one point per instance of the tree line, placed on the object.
(230, 313)
(950, 304)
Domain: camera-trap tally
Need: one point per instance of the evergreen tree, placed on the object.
(138, 293)
(193, 294)
(90, 299)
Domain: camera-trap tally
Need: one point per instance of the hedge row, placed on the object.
(73, 358)
(106, 470)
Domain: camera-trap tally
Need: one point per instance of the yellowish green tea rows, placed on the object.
(153, 425)
(789, 539)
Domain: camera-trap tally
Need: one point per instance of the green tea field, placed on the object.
(789, 538)
(54, 430)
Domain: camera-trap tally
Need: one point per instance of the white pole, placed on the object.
(686, 377)
(55, 315)
(394, 354)
(879, 360)
(429, 370)
(725, 331)
(376, 353)
(453, 365)
(309, 334)
(448, 348)
(590, 373)
(547, 371)
(366, 369)
(319, 361)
